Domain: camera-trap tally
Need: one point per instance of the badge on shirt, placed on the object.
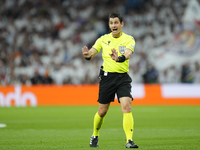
(122, 49)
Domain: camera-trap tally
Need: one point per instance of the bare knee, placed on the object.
(103, 109)
(126, 104)
(102, 113)
(126, 108)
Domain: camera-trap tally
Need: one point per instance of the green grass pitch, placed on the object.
(70, 128)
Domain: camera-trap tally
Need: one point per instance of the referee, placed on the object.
(117, 47)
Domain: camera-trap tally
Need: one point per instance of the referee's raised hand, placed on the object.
(114, 54)
(86, 52)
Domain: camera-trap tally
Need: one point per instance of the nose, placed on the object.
(113, 25)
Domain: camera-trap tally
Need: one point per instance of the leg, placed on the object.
(127, 117)
(99, 118)
(98, 121)
(103, 109)
(128, 121)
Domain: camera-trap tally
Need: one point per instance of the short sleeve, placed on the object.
(131, 44)
(98, 45)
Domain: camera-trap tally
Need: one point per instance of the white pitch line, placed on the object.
(2, 125)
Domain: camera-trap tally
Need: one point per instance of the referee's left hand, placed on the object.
(114, 54)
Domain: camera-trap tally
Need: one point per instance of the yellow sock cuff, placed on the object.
(128, 114)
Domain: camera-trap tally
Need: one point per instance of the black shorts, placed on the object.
(114, 83)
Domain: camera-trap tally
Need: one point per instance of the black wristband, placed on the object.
(88, 58)
(121, 58)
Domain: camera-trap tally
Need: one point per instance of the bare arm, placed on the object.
(114, 54)
(128, 53)
(88, 53)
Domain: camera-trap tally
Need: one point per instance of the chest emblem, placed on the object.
(122, 49)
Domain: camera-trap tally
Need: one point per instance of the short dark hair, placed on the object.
(114, 15)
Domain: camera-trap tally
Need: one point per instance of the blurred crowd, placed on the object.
(41, 40)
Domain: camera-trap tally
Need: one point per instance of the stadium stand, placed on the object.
(41, 41)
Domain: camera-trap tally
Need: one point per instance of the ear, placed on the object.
(122, 24)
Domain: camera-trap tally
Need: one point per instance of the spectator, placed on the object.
(37, 78)
(47, 79)
(51, 33)
(151, 74)
(197, 72)
(187, 75)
